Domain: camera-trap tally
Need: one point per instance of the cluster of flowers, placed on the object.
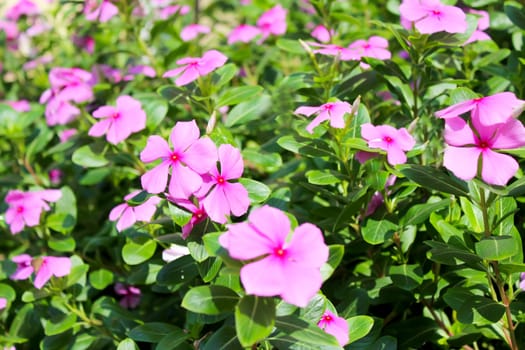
(492, 126)
(44, 267)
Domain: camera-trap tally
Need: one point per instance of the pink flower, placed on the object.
(22, 7)
(58, 110)
(466, 145)
(169, 11)
(431, 16)
(195, 67)
(336, 326)
(113, 75)
(24, 268)
(198, 214)
(225, 197)
(10, 29)
(84, 42)
(19, 106)
(243, 33)
(393, 141)
(119, 122)
(489, 110)
(25, 207)
(39, 61)
(483, 24)
(375, 47)
(272, 22)
(522, 281)
(127, 215)
(49, 266)
(55, 176)
(174, 252)
(143, 70)
(191, 31)
(102, 13)
(285, 266)
(344, 53)
(333, 111)
(191, 156)
(3, 303)
(130, 295)
(322, 34)
(65, 135)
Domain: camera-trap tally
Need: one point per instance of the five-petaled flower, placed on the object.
(127, 214)
(336, 326)
(195, 67)
(119, 122)
(467, 144)
(272, 22)
(393, 141)
(431, 16)
(290, 268)
(333, 111)
(45, 267)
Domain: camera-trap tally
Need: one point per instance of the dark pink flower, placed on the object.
(272, 22)
(195, 67)
(393, 141)
(55, 176)
(102, 12)
(127, 215)
(332, 111)
(191, 31)
(225, 197)
(191, 156)
(119, 122)
(336, 326)
(466, 145)
(84, 42)
(243, 33)
(130, 295)
(431, 16)
(198, 214)
(285, 266)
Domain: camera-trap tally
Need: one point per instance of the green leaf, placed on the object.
(172, 340)
(210, 300)
(152, 332)
(238, 94)
(224, 74)
(359, 327)
(304, 333)
(497, 247)
(406, 277)
(335, 255)
(59, 326)
(291, 46)
(100, 279)
(95, 176)
(65, 244)
(322, 177)
(7, 292)
(257, 191)
(88, 157)
(247, 111)
(376, 232)
(254, 319)
(449, 255)
(39, 143)
(461, 94)
(307, 147)
(473, 309)
(434, 179)
(225, 338)
(135, 253)
(172, 93)
(179, 216)
(154, 106)
(64, 217)
(127, 344)
(181, 270)
(198, 251)
(515, 14)
(419, 213)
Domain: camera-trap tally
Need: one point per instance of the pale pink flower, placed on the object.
(322, 33)
(119, 122)
(174, 252)
(38, 28)
(191, 156)
(431, 16)
(191, 31)
(285, 266)
(195, 67)
(466, 144)
(19, 106)
(198, 214)
(522, 281)
(375, 47)
(58, 110)
(22, 8)
(336, 326)
(142, 70)
(39, 61)
(489, 110)
(24, 269)
(243, 33)
(130, 295)
(393, 141)
(69, 84)
(333, 111)
(25, 207)
(101, 13)
(3, 303)
(10, 29)
(225, 197)
(65, 135)
(272, 22)
(483, 24)
(127, 214)
(169, 11)
(48, 266)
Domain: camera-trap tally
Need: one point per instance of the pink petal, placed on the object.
(237, 197)
(118, 131)
(404, 140)
(201, 156)
(302, 283)
(510, 135)
(232, 165)
(59, 266)
(104, 112)
(264, 277)
(497, 108)
(210, 61)
(127, 219)
(412, 10)
(174, 72)
(497, 169)
(145, 211)
(216, 205)
(336, 326)
(272, 223)
(116, 212)
(100, 128)
(49, 195)
(42, 276)
(245, 243)
(183, 135)
(307, 110)
(31, 216)
(189, 75)
(462, 161)
(17, 224)
(395, 155)
(456, 109)
(184, 181)
(307, 246)
(317, 120)
(458, 132)
(156, 148)
(155, 180)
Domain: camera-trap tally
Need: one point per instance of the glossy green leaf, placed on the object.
(135, 253)
(88, 157)
(257, 191)
(320, 177)
(377, 231)
(419, 213)
(210, 300)
(101, 278)
(248, 111)
(225, 338)
(335, 255)
(407, 277)
(181, 270)
(431, 178)
(239, 94)
(60, 325)
(304, 333)
(359, 327)
(172, 340)
(127, 344)
(152, 332)
(254, 319)
(516, 14)
(497, 247)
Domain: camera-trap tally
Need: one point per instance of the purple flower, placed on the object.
(130, 295)
(393, 141)
(127, 215)
(333, 111)
(336, 326)
(195, 67)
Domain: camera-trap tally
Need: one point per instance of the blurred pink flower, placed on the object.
(344, 53)
(285, 266)
(431, 16)
(70, 84)
(142, 70)
(375, 47)
(336, 326)
(25, 207)
(191, 157)
(483, 24)
(48, 266)
(38, 27)
(10, 29)
(466, 144)
(119, 122)
(24, 269)
(169, 11)
(3, 303)
(19, 106)
(102, 12)
(84, 42)
(333, 111)
(65, 135)
(322, 34)
(58, 111)
(195, 67)
(55, 176)
(489, 110)
(174, 252)
(39, 61)
(225, 197)
(393, 141)
(191, 31)
(272, 22)
(243, 33)
(22, 8)
(127, 215)
(522, 281)
(130, 295)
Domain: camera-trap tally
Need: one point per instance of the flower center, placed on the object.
(174, 157)
(115, 115)
(387, 139)
(280, 252)
(220, 180)
(20, 209)
(436, 12)
(327, 318)
(199, 214)
(483, 144)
